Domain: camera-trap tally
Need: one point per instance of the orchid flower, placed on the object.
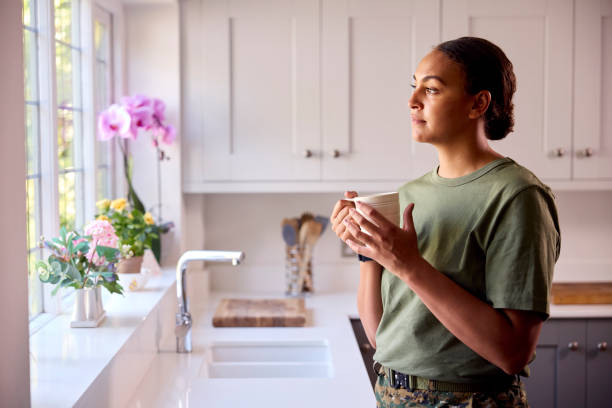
(114, 120)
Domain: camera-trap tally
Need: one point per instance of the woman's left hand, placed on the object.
(393, 247)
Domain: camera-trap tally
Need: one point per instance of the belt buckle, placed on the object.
(399, 380)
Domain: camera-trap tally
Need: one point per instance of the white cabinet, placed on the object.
(536, 35)
(260, 90)
(312, 95)
(369, 53)
(302, 90)
(593, 90)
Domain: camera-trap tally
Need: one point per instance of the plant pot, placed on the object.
(130, 265)
(88, 310)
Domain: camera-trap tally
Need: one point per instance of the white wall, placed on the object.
(251, 222)
(153, 69)
(14, 340)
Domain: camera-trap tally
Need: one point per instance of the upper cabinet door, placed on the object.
(370, 50)
(260, 90)
(536, 36)
(593, 90)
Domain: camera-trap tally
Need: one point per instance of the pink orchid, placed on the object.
(168, 134)
(112, 121)
(159, 108)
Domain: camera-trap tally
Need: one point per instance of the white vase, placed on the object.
(88, 310)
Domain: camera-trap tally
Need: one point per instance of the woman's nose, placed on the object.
(414, 101)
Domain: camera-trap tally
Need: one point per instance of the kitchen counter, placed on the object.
(173, 381)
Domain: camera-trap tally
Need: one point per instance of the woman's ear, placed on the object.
(480, 105)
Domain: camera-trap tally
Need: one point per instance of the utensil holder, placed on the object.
(293, 258)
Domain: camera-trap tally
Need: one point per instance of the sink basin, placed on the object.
(267, 359)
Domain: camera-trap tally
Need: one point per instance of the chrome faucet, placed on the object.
(182, 330)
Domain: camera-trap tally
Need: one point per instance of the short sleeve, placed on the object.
(521, 255)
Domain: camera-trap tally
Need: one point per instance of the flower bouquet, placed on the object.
(135, 231)
(86, 263)
(125, 120)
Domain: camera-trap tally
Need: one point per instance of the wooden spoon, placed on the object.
(309, 234)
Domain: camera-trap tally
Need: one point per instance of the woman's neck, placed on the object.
(464, 158)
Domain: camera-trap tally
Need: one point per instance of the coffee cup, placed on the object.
(387, 204)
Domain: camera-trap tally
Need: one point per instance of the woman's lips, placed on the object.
(417, 121)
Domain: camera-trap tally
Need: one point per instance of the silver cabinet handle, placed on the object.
(573, 345)
(602, 346)
(588, 152)
(335, 153)
(307, 153)
(559, 152)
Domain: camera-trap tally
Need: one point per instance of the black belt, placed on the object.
(413, 382)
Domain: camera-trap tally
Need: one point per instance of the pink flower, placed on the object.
(113, 120)
(158, 109)
(102, 233)
(168, 134)
(141, 111)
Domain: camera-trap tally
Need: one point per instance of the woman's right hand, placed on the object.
(340, 212)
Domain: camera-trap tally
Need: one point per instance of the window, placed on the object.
(104, 96)
(65, 88)
(33, 174)
(69, 113)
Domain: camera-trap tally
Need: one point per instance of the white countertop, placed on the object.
(64, 362)
(172, 380)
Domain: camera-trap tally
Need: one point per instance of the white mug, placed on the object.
(387, 204)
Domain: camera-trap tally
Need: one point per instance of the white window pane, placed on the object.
(32, 139)
(67, 21)
(35, 296)
(30, 60)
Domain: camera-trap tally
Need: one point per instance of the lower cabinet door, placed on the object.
(599, 363)
(558, 372)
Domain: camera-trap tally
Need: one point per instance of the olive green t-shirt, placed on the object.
(495, 232)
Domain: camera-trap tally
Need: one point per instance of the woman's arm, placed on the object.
(506, 338)
(369, 301)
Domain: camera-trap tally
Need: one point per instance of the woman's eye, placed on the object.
(413, 86)
(431, 91)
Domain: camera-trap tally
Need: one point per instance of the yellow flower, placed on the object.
(149, 218)
(118, 204)
(103, 204)
(130, 216)
(102, 217)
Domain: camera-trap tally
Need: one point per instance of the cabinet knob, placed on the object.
(559, 152)
(307, 153)
(588, 152)
(573, 345)
(335, 153)
(602, 346)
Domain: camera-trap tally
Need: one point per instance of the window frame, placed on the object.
(48, 121)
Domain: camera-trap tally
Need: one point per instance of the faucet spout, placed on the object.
(182, 329)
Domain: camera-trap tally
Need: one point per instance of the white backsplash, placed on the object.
(251, 223)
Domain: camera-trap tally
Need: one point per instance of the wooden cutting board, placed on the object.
(260, 313)
(582, 293)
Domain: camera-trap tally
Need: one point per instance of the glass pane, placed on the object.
(101, 39)
(29, 13)
(33, 211)
(32, 146)
(30, 65)
(67, 200)
(63, 20)
(34, 285)
(64, 74)
(103, 184)
(65, 138)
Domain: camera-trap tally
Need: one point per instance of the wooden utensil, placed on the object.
(309, 234)
(260, 313)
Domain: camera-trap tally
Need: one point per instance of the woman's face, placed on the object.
(439, 105)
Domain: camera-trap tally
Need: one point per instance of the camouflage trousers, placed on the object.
(389, 397)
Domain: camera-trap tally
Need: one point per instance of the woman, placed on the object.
(454, 300)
